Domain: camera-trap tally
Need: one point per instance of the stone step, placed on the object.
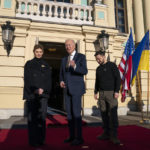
(138, 114)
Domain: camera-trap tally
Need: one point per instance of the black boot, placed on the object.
(71, 131)
(113, 137)
(104, 136)
(105, 118)
(114, 126)
(79, 139)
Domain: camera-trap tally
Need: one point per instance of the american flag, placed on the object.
(125, 67)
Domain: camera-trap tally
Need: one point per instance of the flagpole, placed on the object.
(140, 97)
(148, 120)
(148, 95)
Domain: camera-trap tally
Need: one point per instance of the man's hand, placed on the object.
(40, 91)
(72, 63)
(62, 84)
(95, 96)
(116, 95)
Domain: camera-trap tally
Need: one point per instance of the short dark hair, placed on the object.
(38, 46)
(100, 52)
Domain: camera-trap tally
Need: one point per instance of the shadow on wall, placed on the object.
(132, 104)
(135, 105)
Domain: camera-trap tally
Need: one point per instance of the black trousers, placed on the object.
(37, 109)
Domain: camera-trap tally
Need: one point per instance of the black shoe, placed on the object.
(77, 142)
(115, 140)
(34, 145)
(68, 140)
(41, 143)
(103, 136)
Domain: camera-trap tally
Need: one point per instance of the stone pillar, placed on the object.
(130, 15)
(138, 20)
(146, 8)
(8, 8)
(110, 12)
(100, 15)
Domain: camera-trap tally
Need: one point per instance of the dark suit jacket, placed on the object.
(74, 78)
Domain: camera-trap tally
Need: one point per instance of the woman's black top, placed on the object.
(37, 74)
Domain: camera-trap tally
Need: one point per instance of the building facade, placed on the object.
(50, 23)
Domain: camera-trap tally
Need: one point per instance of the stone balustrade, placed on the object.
(54, 12)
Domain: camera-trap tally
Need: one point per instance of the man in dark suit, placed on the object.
(73, 68)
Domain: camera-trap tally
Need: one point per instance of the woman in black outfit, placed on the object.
(37, 87)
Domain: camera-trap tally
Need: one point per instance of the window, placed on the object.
(120, 15)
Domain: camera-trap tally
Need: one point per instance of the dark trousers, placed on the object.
(108, 107)
(37, 109)
(73, 109)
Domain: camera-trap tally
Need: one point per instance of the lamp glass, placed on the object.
(104, 42)
(7, 35)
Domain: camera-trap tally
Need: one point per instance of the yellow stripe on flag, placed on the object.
(133, 80)
(144, 61)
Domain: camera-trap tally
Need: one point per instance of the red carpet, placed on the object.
(133, 138)
(58, 120)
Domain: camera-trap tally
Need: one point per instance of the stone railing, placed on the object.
(54, 12)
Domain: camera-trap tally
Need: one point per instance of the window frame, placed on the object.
(124, 8)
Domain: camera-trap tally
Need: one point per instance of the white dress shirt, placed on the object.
(72, 56)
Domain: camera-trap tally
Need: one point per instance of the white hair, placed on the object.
(71, 40)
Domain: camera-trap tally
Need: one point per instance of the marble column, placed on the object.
(138, 20)
(146, 8)
(110, 12)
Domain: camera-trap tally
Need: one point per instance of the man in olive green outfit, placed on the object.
(108, 85)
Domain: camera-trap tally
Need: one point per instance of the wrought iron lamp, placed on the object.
(8, 36)
(104, 42)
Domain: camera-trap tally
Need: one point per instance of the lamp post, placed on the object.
(7, 36)
(104, 42)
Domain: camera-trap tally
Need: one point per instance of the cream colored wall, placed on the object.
(11, 68)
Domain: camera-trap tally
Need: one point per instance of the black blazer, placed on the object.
(37, 74)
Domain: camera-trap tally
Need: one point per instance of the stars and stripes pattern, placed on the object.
(125, 67)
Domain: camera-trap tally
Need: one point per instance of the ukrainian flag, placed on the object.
(140, 57)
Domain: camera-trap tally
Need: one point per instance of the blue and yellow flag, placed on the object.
(140, 57)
